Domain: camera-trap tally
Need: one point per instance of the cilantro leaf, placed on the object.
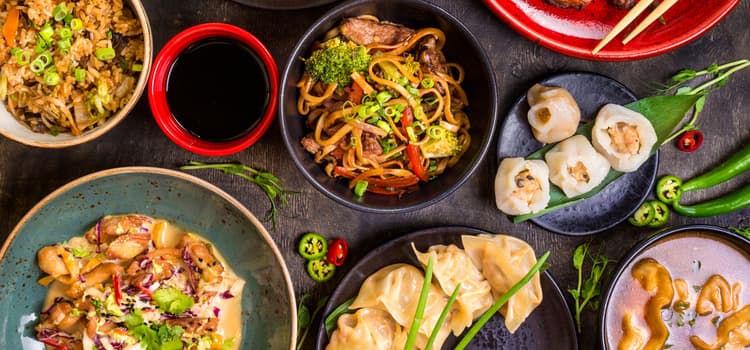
(134, 319)
(172, 300)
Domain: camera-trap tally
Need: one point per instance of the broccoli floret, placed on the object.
(446, 146)
(336, 61)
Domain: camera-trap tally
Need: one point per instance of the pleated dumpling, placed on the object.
(575, 166)
(623, 136)
(451, 266)
(521, 186)
(366, 329)
(396, 289)
(553, 114)
(504, 260)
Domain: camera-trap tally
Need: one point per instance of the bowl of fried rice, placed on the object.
(70, 71)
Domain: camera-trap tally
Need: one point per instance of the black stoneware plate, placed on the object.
(550, 326)
(284, 4)
(618, 200)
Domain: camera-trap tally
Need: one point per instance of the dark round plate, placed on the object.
(550, 326)
(618, 200)
(284, 4)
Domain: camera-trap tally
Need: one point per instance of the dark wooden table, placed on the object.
(28, 174)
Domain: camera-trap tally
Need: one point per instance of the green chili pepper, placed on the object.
(669, 189)
(732, 202)
(643, 215)
(312, 246)
(661, 214)
(735, 165)
(320, 270)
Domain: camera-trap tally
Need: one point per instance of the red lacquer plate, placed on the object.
(576, 32)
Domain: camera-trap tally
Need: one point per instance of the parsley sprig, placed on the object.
(589, 290)
(268, 182)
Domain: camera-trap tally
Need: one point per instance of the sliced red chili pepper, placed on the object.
(337, 252)
(690, 141)
(54, 343)
(415, 161)
(116, 287)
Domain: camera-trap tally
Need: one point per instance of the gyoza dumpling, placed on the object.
(366, 329)
(451, 266)
(554, 114)
(521, 186)
(575, 166)
(504, 260)
(623, 136)
(396, 290)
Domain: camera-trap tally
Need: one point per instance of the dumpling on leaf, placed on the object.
(623, 136)
(575, 166)
(452, 266)
(505, 260)
(521, 186)
(554, 114)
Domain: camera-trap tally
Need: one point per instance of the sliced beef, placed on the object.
(431, 57)
(367, 32)
(309, 144)
(370, 145)
(579, 4)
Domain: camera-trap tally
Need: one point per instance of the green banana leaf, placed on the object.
(664, 112)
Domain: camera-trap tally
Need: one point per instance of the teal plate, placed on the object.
(268, 305)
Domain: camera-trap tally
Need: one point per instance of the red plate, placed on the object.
(576, 32)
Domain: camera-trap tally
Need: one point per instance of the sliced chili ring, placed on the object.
(337, 252)
(643, 215)
(320, 270)
(669, 189)
(690, 141)
(312, 246)
(661, 214)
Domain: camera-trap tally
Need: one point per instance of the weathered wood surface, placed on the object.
(28, 174)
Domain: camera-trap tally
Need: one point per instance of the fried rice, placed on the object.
(83, 84)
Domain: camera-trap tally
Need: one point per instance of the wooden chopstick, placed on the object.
(653, 16)
(624, 22)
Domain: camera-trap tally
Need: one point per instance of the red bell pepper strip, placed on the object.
(415, 159)
(116, 287)
(407, 118)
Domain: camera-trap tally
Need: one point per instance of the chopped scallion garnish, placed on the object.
(436, 132)
(80, 74)
(384, 125)
(76, 24)
(65, 33)
(51, 78)
(360, 188)
(60, 12)
(47, 32)
(136, 67)
(428, 83)
(105, 53)
(383, 97)
(23, 58)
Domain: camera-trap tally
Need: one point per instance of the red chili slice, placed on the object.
(337, 252)
(690, 141)
(116, 287)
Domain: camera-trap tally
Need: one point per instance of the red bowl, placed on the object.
(576, 32)
(158, 88)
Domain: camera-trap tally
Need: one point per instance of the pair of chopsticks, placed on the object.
(630, 17)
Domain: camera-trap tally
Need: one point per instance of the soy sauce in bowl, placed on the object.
(218, 89)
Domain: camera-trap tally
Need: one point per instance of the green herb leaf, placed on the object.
(79, 252)
(304, 318)
(268, 182)
(134, 319)
(745, 232)
(330, 321)
(587, 291)
(172, 300)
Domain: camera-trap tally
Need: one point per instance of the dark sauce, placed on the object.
(217, 89)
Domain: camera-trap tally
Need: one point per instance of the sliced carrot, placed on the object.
(10, 27)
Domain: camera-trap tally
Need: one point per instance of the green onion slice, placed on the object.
(15, 51)
(136, 67)
(76, 24)
(411, 134)
(65, 33)
(428, 83)
(383, 97)
(436, 132)
(80, 74)
(51, 78)
(45, 58)
(384, 125)
(360, 188)
(47, 32)
(60, 12)
(105, 53)
(23, 58)
(37, 66)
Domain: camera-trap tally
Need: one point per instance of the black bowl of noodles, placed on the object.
(414, 128)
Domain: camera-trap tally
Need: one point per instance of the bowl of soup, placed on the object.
(687, 287)
(213, 89)
(122, 254)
